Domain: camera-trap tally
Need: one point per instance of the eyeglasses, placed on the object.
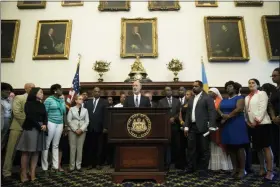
(274, 75)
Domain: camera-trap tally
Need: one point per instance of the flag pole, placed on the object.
(79, 58)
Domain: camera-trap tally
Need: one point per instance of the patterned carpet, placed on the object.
(103, 178)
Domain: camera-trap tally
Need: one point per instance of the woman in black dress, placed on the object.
(33, 138)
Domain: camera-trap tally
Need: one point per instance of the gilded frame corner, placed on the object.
(70, 3)
(252, 3)
(15, 41)
(24, 5)
(206, 4)
(124, 21)
(152, 7)
(242, 34)
(264, 20)
(67, 41)
(102, 7)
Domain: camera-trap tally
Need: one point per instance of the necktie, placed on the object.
(94, 104)
(136, 101)
(182, 101)
(169, 102)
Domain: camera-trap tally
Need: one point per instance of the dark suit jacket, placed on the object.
(46, 41)
(163, 103)
(153, 104)
(97, 119)
(184, 109)
(204, 112)
(144, 102)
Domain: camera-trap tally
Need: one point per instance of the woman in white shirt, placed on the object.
(258, 119)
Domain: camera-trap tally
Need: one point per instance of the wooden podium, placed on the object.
(140, 136)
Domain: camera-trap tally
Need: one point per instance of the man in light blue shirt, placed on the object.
(6, 112)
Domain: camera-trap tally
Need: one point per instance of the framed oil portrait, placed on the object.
(139, 37)
(164, 5)
(271, 30)
(208, 3)
(31, 4)
(52, 39)
(9, 39)
(72, 3)
(226, 39)
(114, 6)
(252, 3)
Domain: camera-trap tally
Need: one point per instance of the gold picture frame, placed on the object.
(164, 5)
(226, 39)
(9, 39)
(139, 37)
(52, 39)
(31, 4)
(252, 3)
(209, 3)
(114, 6)
(271, 38)
(72, 3)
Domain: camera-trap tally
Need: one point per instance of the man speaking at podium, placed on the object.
(137, 100)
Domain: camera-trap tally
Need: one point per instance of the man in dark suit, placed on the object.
(173, 114)
(137, 100)
(200, 118)
(47, 43)
(150, 96)
(96, 108)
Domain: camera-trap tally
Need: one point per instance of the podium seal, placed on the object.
(139, 125)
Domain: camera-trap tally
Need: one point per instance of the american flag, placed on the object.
(75, 89)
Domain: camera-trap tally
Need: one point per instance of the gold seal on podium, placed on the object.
(139, 125)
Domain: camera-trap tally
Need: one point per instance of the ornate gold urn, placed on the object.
(101, 67)
(175, 66)
(137, 72)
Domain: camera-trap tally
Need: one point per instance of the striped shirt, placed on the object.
(55, 108)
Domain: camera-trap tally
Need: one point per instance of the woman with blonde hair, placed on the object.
(219, 159)
(78, 120)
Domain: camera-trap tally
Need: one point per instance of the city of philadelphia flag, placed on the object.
(75, 89)
(204, 78)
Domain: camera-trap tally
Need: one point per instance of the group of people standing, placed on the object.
(34, 125)
(242, 121)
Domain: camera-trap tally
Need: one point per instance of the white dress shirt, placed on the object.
(139, 98)
(256, 108)
(95, 103)
(182, 100)
(118, 105)
(196, 97)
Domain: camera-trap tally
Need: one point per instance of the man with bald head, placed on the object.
(173, 114)
(15, 130)
(137, 100)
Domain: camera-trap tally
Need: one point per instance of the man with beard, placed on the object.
(200, 118)
(137, 100)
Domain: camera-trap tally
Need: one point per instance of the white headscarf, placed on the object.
(217, 92)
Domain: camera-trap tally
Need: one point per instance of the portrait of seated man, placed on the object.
(225, 40)
(163, 3)
(114, 4)
(52, 39)
(139, 38)
(9, 38)
(273, 28)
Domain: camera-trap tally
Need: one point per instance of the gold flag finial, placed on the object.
(202, 59)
